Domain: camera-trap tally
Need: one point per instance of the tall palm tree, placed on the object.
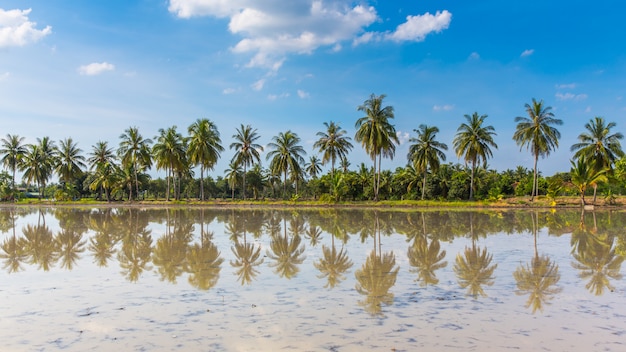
(134, 151)
(286, 156)
(376, 134)
(313, 167)
(233, 174)
(426, 151)
(204, 147)
(38, 163)
(473, 142)
(537, 133)
(598, 144)
(70, 161)
(101, 160)
(100, 155)
(246, 149)
(12, 151)
(169, 153)
(333, 144)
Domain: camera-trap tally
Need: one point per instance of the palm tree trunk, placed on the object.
(167, 190)
(375, 190)
(202, 183)
(244, 181)
(471, 196)
(595, 189)
(424, 185)
(535, 182)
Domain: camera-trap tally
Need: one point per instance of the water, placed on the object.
(133, 279)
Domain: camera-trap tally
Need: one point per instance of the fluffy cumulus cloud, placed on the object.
(527, 52)
(416, 28)
(302, 94)
(95, 68)
(17, 30)
(272, 29)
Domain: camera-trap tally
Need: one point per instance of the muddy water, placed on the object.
(345, 280)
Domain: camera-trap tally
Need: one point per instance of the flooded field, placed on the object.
(309, 280)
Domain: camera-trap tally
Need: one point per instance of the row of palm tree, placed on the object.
(178, 155)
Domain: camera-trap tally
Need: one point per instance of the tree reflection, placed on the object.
(70, 245)
(333, 264)
(537, 278)
(170, 251)
(204, 263)
(377, 276)
(597, 261)
(426, 259)
(41, 247)
(287, 254)
(102, 244)
(14, 248)
(473, 270)
(248, 257)
(136, 250)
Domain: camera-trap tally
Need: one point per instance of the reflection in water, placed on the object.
(204, 263)
(473, 270)
(537, 278)
(333, 264)
(377, 275)
(426, 259)
(40, 246)
(286, 253)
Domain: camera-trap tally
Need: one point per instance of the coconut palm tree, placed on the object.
(537, 133)
(286, 155)
(426, 152)
(38, 163)
(204, 147)
(313, 167)
(473, 142)
(600, 145)
(376, 134)
(246, 150)
(12, 151)
(233, 174)
(585, 173)
(333, 144)
(70, 161)
(101, 160)
(170, 154)
(134, 151)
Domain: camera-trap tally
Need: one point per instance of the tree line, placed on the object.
(109, 173)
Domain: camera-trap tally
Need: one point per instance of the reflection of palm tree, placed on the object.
(14, 253)
(41, 246)
(287, 254)
(136, 250)
(375, 278)
(426, 258)
(248, 257)
(598, 262)
(333, 265)
(204, 264)
(537, 278)
(14, 248)
(170, 251)
(70, 246)
(473, 270)
(314, 234)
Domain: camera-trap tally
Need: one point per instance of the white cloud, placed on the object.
(17, 30)
(403, 137)
(445, 107)
(258, 85)
(474, 56)
(280, 96)
(4, 76)
(527, 52)
(416, 28)
(302, 94)
(273, 29)
(95, 68)
(229, 91)
(566, 86)
(570, 96)
(588, 109)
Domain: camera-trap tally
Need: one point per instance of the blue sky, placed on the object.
(91, 69)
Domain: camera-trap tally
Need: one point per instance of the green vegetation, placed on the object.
(107, 173)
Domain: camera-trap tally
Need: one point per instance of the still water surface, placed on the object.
(309, 280)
